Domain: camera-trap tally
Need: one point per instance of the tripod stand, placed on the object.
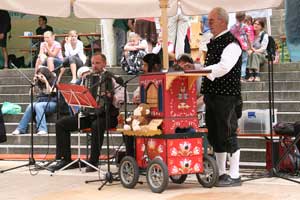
(274, 166)
(273, 171)
(31, 160)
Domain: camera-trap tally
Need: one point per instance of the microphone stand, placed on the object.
(128, 140)
(109, 178)
(45, 110)
(31, 160)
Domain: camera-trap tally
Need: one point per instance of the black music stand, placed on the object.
(77, 95)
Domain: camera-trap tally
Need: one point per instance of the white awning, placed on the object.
(128, 8)
(151, 8)
(120, 9)
(199, 7)
(55, 8)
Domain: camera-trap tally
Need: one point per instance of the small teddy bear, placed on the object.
(141, 116)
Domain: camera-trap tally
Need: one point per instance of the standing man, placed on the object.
(5, 26)
(104, 92)
(121, 27)
(222, 96)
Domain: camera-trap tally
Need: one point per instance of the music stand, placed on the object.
(77, 95)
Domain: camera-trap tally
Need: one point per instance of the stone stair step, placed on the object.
(283, 67)
(288, 116)
(18, 117)
(282, 76)
(116, 139)
(264, 95)
(252, 142)
(264, 86)
(44, 149)
(283, 106)
(253, 155)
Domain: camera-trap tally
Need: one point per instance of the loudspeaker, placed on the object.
(256, 121)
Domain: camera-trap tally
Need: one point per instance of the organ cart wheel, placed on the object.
(157, 175)
(129, 172)
(210, 173)
(178, 179)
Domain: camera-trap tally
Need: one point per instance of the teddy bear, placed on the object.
(141, 116)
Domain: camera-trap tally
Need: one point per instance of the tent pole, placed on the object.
(164, 21)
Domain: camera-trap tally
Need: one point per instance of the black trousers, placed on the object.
(68, 124)
(73, 60)
(221, 117)
(2, 128)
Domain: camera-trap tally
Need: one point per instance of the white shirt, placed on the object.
(158, 47)
(229, 57)
(69, 51)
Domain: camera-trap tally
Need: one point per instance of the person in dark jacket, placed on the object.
(5, 27)
(2, 128)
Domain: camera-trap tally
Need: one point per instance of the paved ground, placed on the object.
(70, 184)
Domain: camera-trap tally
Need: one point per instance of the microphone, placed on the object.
(58, 68)
(118, 79)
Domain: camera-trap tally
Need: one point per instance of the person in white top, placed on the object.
(74, 54)
(134, 51)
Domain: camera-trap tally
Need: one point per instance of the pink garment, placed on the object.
(250, 33)
(150, 19)
(242, 32)
(56, 45)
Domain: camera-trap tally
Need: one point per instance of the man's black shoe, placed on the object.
(59, 164)
(223, 177)
(229, 182)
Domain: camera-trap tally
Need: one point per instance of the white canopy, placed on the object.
(199, 7)
(151, 8)
(128, 8)
(55, 8)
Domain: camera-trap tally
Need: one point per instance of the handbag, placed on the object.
(285, 128)
(10, 108)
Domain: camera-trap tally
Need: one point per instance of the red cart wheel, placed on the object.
(129, 172)
(178, 179)
(210, 173)
(157, 175)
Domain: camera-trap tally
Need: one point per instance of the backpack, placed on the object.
(271, 48)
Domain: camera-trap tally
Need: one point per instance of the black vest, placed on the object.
(229, 84)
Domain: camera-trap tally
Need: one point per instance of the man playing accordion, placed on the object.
(105, 92)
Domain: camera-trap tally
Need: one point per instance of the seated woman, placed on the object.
(257, 53)
(151, 63)
(134, 51)
(44, 81)
(75, 57)
(50, 54)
